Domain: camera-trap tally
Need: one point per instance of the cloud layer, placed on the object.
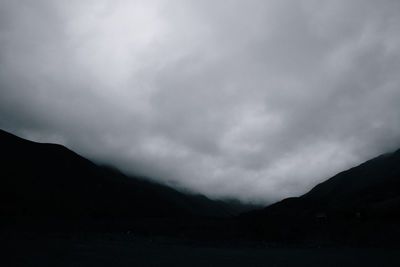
(255, 100)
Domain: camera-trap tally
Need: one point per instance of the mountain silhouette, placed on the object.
(49, 185)
(50, 181)
(361, 204)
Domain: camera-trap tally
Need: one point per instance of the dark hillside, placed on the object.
(50, 181)
(360, 205)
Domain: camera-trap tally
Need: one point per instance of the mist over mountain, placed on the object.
(252, 100)
(150, 132)
(41, 182)
(50, 181)
(53, 201)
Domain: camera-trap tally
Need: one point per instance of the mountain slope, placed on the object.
(372, 187)
(48, 180)
(362, 203)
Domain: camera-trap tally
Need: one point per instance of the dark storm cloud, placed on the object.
(256, 100)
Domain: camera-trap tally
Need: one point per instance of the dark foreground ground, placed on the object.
(124, 249)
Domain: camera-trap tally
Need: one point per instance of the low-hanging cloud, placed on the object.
(255, 100)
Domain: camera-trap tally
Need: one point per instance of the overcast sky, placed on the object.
(255, 100)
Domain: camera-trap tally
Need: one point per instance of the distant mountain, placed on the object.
(47, 184)
(50, 181)
(360, 203)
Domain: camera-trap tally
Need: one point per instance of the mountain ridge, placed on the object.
(42, 179)
(359, 205)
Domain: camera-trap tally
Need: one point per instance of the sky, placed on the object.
(250, 100)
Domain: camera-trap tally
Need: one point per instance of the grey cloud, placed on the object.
(254, 100)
